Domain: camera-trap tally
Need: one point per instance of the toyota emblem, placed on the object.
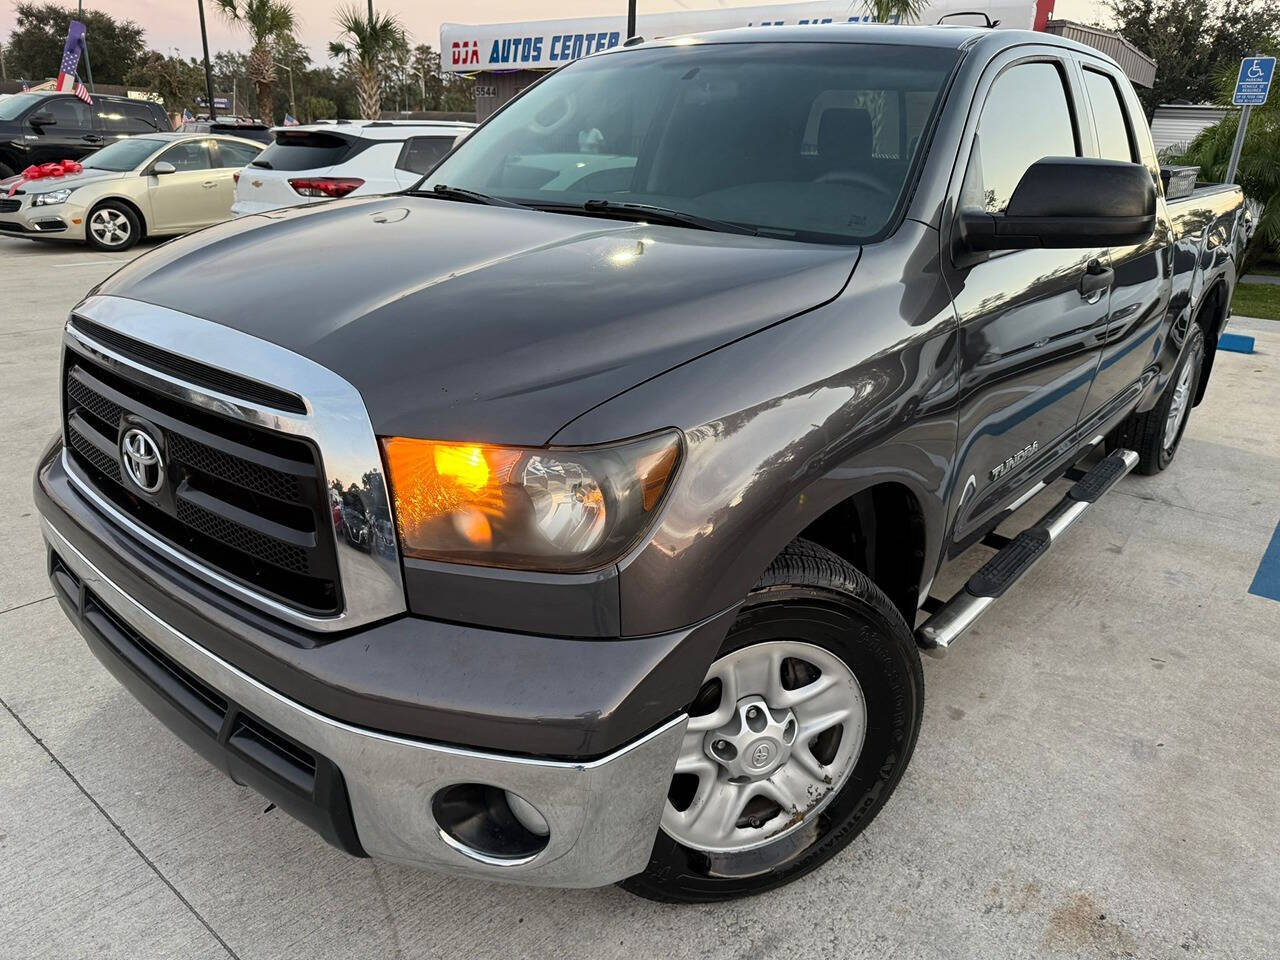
(140, 458)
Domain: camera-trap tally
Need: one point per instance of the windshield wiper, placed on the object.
(473, 196)
(678, 218)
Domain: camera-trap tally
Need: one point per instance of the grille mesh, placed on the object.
(242, 538)
(242, 473)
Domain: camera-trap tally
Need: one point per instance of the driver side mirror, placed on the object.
(161, 167)
(1065, 202)
(41, 120)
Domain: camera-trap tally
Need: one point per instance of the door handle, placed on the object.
(1096, 280)
(91, 138)
(209, 184)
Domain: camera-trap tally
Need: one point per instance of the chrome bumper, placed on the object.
(602, 815)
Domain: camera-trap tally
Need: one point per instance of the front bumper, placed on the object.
(63, 221)
(363, 790)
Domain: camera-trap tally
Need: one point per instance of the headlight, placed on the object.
(558, 510)
(50, 198)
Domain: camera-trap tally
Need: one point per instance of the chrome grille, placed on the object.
(246, 501)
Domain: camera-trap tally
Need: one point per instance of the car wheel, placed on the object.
(799, 734)
(5, 172)
(112, 226)
(1156, 434)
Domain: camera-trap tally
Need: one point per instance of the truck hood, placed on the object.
(464, 322)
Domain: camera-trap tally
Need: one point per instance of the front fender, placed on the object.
(783, 425)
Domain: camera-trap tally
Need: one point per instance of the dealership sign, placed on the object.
(545, 44)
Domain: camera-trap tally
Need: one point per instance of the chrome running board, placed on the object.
(936, 635)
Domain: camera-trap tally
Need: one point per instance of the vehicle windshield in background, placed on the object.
(123, 155)
(303, 150)
(11, 108)
(811, 141)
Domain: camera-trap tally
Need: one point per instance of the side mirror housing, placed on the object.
(1064, 202)
(162, 167)
(41, 120)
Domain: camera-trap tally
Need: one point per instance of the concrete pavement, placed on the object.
(1098, 774)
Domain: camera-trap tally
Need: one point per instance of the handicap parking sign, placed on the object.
(1254, 81)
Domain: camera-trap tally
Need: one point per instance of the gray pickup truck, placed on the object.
(572, 517)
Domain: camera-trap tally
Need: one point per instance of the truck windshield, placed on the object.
(808, 141)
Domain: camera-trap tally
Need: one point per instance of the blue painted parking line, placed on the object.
(1235, 343)
(1266, 582)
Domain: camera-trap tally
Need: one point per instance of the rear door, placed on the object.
(71, 136)
(1031, 329)
(230, 157)
(1141, 294)
(188, 198)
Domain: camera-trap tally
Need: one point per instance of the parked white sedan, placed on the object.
(349, 158)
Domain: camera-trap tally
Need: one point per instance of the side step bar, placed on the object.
(936, 635)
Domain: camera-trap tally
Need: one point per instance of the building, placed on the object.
(504, 58)
(1177, 124)
(1137, 66)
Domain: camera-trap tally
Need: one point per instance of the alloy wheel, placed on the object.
(110, 227)
(1179, 407)
(774, 734)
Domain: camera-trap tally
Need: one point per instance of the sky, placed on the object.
(174, 23)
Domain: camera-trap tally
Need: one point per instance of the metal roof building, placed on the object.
(1177, 124)
(1137, 66)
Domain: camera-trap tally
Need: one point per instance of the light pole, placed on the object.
(293, 106)
(208, 71)
(631, 18)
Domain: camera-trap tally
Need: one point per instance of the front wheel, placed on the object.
(112, 226)
(799, 734)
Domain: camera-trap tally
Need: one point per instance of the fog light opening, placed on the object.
(490, 824)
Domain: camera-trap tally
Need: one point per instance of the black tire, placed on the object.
(132, 226)
(809, 593)
(5, 172)
(1145, 432)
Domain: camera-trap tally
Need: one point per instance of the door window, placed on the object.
(126, 118)
(192, 155)
(231, 154)
(1115, 142)
(421, 153)
(1026, 118)
(70, 115)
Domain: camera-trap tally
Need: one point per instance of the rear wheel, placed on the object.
(799, 734)
(112, 226)
(5, 172)
(1156, 434)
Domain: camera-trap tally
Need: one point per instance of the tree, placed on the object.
(1190, 40)
(426, 73)
(34, 48)
(177, 81)
(269, 23)
(361, 47)
(1259, 172)
(896, 11)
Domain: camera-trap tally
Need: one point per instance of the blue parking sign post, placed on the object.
(1252, 86)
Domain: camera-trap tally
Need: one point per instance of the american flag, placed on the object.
(26, 87)
(82, 92)
(67, 80)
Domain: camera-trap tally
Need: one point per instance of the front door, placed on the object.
(71, 135)
(1032, 322)
(188, 198)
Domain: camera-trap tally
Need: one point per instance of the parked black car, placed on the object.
(664, 397)
(46, 127)
(233, 126)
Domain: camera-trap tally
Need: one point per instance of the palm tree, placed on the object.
(896, 11)
(361, 46)
(268, 23)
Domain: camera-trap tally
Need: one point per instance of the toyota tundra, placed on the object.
(573, 517)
